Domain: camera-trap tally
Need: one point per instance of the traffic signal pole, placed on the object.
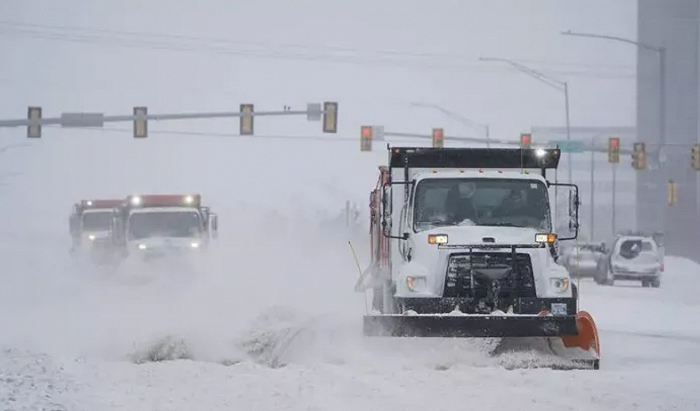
(34, 121)
(614, 198)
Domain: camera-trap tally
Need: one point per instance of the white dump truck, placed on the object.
(463, 245)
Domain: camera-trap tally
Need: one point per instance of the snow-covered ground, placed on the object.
(273, 324)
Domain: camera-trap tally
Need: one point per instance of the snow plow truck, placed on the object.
(90, 230)
(90, 221)
(159, 225)
(462, 245)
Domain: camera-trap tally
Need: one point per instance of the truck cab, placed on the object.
(150, 226)
(90, 223)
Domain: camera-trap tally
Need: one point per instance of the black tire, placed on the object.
(656, 282)
(610, 277)
(602, 273)
(646, 283)
(599, 279)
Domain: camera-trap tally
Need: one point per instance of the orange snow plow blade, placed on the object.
(583, 348)
(587, 337)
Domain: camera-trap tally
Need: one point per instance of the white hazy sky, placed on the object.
(373, 57)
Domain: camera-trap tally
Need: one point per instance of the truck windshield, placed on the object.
(481, 201)
(164, 224)
(97, 220)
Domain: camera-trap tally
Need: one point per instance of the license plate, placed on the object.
(558, 309)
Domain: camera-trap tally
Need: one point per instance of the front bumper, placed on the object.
(527, 306)
(635, 273)
(469, 326)
(156, 254)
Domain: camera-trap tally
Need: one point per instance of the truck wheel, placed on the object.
(645, 283)
(656, 282)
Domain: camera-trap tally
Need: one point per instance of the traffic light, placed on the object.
(330, 117)
(366, 138)
(695, 155)
(639, 156)
(34, 113)
(525, 140)
(613, 150)
(438, 138)
(246, 127)
(140, 125)
(672, 192)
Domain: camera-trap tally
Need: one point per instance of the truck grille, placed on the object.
(480, 275)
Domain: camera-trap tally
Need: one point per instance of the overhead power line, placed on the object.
(390, 58)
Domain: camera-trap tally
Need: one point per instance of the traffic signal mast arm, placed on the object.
(140, 117)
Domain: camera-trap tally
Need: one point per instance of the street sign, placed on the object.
(569, 146)
(82, 120)
(314, 111)
(378, 133)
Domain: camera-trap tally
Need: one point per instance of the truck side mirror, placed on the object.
(573, 210)
(386, 226)
(387, 204)
(568, 221)
(573, 203)
(214, 222)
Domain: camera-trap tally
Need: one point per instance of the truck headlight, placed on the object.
(416, 284)
(194, 245)
(142, 246)
(437, 239)
(91, 237)
(547, 238)
(560, 284)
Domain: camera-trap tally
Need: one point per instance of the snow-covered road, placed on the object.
(282, 333)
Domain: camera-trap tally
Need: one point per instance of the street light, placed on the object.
(552, 82)
(662, 73)
(662, 92)
(456, 116)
